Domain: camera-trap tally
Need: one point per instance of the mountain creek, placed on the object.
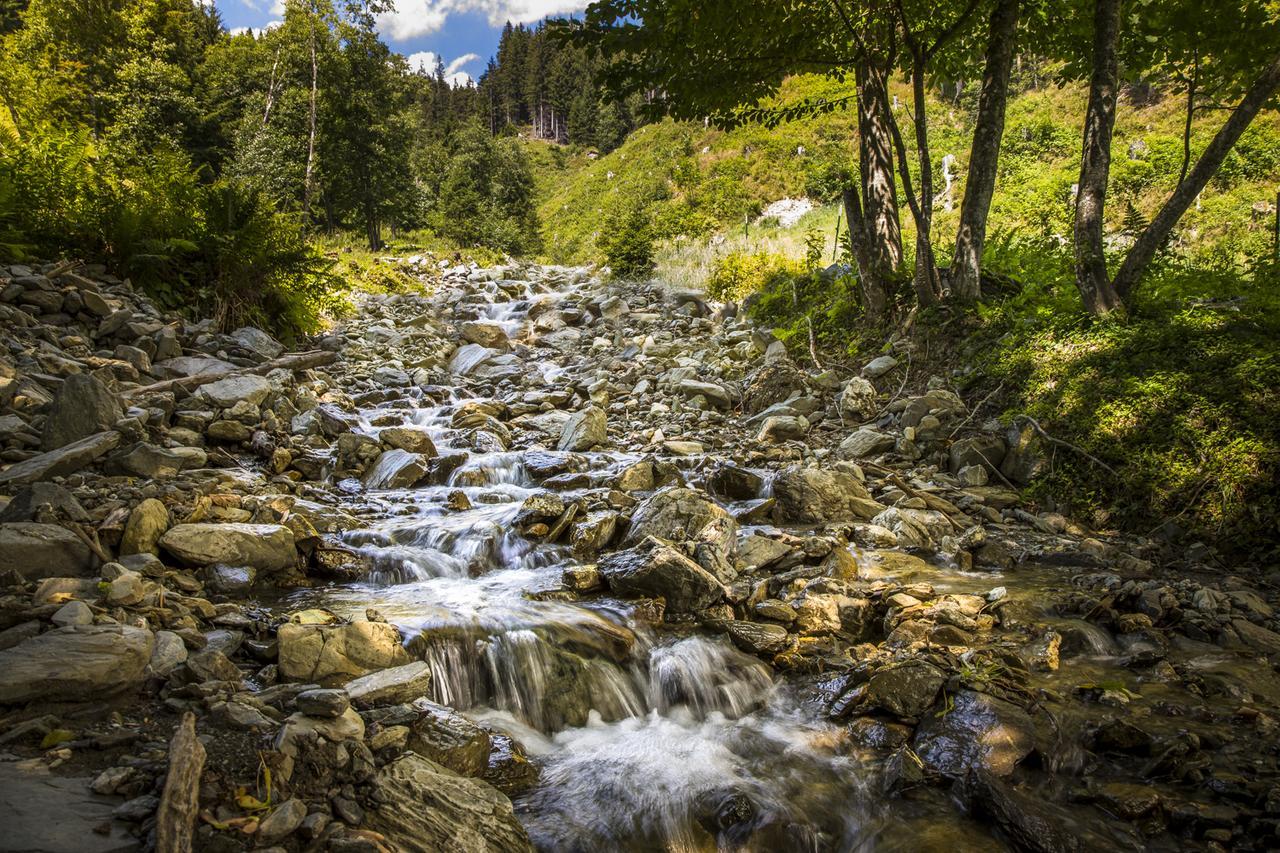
(536, 560)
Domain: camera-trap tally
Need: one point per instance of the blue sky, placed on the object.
(464, 33)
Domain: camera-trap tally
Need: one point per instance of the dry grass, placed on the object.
(686, 264)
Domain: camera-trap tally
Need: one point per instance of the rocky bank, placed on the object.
(534, 560)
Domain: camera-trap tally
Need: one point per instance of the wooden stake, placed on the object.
(180, 802)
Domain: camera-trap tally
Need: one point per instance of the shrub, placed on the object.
(217, 249)
(737, 275)
(627, 243)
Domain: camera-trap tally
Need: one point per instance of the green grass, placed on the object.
(699, 182)
(1182, 398)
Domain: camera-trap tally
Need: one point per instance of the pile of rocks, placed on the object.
(163, 479)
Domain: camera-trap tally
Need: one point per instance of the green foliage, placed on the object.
(738, 275)
(485, 194)
(627, 243)
(1180, 399)
(218, 249)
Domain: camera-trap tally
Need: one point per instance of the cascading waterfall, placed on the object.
(646, 742)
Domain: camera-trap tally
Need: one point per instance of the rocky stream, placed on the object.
(534, 560)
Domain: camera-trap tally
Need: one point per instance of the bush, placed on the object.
(216, 249)
(737, 275)
(627, 243)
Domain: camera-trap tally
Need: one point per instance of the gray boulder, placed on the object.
(75, 662)
(423, 807)
(225, 393)
(147, 523)
(83, 406)
(858, 399)
(714, 394)
(335, 654)
(38, 551)
(257, 342)
(448, 738)
(681, 514)
(779, 428)
(397, 469)
(485, 333)
(268, 547)
(879, 366)
(25, 503)
(985, 450)
(1025, 457)
(584, 430)
(390, 686)
(66, 460)
(819, 496)
(654, 568)
(977, 732)
(865, 442)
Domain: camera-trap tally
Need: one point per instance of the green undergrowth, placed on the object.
(1181, 398)
(699, 185)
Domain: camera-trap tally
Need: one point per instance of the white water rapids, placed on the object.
(675, 742)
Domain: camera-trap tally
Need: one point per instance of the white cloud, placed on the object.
(456, 65)
(523, 11)
(425, 61)
(413, 18)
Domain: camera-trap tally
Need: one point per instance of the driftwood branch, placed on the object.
(293, 361)
(974, 410)
(1086, 454)
(180, 802)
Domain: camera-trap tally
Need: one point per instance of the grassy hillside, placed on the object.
(698, 181)
(1181, 399)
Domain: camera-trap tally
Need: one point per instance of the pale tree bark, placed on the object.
(926, 271)
(311, 133)
(928, 283)
(1095, 164)
(271, 90)
(875, 295)
(879, 190)
(1157, 232)
(984, 154)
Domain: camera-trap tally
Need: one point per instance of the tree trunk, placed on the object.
(1095, 164)
(984, 154)
(926, 271)
(1156, 233)
(875, 296)
(271, 90)
(311, 133)
(879, 190)
(928, 283)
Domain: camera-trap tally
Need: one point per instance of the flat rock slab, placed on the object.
(266, 547)
(390, 686)
(76, 662)
(38, 551)
(427, 808)
(44, 813)
(61, 462)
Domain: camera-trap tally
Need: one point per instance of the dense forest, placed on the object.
(198, 162)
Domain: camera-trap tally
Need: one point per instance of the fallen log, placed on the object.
(293, 361)
(180, 802)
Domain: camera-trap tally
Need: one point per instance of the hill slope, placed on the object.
(697, 181)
